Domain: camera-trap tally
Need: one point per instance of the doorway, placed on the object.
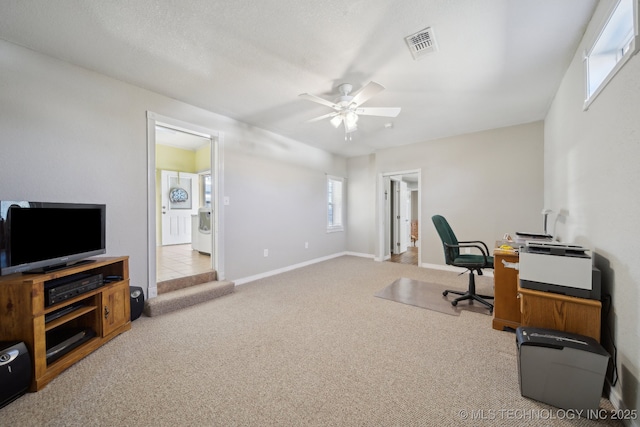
(400, 210)
(184, 189)
(399, 207)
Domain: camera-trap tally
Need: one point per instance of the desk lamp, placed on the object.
(545, 214)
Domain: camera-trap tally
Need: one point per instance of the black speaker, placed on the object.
(15, 371)
(137, 301)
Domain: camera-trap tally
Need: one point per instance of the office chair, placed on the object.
(471, 262)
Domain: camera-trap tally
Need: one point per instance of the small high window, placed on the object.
(335, 203)
(616, 42)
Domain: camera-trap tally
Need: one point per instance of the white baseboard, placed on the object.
(360, 254)
(292, 267)
(618, 404)
(443, 267)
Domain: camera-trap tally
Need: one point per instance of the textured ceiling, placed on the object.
(499, 62)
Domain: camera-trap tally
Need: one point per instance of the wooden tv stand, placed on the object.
(106, 310)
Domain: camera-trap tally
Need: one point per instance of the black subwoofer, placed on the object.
(15, 371)
(137, 301)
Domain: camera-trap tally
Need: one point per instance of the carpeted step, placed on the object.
(187, 281)
(187, 297)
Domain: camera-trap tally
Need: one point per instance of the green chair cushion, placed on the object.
(472, 260)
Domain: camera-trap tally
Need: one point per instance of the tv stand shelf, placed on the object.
(68, 317)
(104, 310)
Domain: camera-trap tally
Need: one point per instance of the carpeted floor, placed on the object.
(310, 347)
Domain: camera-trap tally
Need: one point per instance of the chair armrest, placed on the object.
(484, 250)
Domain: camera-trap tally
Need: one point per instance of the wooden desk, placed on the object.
(515, 306)
(506, 311)
(560, 312)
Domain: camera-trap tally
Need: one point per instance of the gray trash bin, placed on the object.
(560, 368)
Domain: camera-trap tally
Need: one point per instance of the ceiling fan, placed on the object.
(348, 106)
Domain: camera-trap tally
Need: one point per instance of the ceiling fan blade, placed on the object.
(366, 93)
(324, 116)
(318, 100)
(379, 111)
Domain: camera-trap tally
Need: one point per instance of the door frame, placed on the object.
(217, 186)
(382, 218)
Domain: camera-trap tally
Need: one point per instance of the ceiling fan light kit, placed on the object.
(347, 107)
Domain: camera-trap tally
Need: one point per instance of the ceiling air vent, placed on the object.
(422, 43)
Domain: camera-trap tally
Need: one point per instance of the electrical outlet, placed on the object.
(306, 245)
(466, 250)
(226, 201)
(266, 252)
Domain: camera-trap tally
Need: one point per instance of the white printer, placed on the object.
(560, 268)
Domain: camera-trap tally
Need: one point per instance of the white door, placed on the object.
(401, 223)
(404, 225)
(180, 200)
(395, 216)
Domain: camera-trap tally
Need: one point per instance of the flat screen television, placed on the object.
(36, 237)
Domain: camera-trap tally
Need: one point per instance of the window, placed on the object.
(205, 185)
(614, 45)
(335, 203)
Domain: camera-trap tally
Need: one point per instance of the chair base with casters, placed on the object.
(470, 294)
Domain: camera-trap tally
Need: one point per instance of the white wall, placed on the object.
(485, 183)
(276, 206)
(70, 134)
(361, 188)
(591, 176)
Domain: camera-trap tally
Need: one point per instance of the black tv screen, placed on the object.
(38, 236)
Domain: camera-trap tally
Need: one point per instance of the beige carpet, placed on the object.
(310, 347)
(429, 296)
